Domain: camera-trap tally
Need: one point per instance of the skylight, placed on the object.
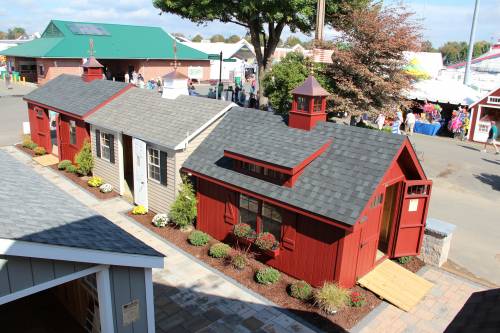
(87, 29)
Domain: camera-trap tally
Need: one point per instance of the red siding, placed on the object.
(475, 109)
(40, 127)
(67, 151)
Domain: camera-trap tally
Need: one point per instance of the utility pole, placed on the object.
(320, 21)
(220, 77)
(471, 45)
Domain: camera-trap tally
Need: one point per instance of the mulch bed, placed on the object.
(277, 293)
(82, 182)
(414, 265)
(25, 150)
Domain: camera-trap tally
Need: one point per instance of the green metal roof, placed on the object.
(66, 39)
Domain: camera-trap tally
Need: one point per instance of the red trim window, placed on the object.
(318, 101)
(261, 216)
(72, 132)
(302, 103)
(266, 173)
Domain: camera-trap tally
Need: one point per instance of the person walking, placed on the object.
(492, 138)
(380, 121)
(127, 78)
(465, 126)
(410, 123)
(396, 125)
(8, 77)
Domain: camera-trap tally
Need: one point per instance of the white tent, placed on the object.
(443, 91)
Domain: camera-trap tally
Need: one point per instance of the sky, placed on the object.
(443, 20)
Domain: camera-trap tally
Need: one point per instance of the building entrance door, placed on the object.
(140, 172)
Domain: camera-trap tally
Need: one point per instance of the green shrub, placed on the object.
(40, 151)
(265, 241)
(267, 275)
(84, 159)
(183, 210)
(71, 168)
(331, 297)
(387, 129)
(95, 181)
(239, 261)
(219, 250)
(28, 143)
(242, 230)
(198, 238)
(64, 164)
(301, 290)
(404, 260)
(139, 210)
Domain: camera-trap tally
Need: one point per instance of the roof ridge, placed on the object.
(120, 24)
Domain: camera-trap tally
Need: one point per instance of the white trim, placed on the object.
(49, 284)
(121, 170)
(150, 305)
(490, 101)
(57, 252)
(483, 97)
(184, 143)
(102, 145)
(105, 305)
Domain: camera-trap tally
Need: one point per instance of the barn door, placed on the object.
(409, 231)
(140, 172)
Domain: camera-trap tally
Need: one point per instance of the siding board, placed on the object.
(20, 276)
(4, 278)
(109, 172)
(121, 290)
(43, 270)
(138, 291)
(62, 268)
(161, 197)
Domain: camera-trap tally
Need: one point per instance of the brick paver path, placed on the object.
(433, 314)
(189, 296)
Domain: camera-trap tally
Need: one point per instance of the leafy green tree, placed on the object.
(84, 159)
(183, 210)
(263, 19)
(198, 38)
(283, 77)
(15, 33)
(453, 52)
(233, 39)
(292, 40)
(217, 38)
(480, 48)
(3, 35)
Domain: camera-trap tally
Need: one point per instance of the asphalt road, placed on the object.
(13, 113)
(466, 192)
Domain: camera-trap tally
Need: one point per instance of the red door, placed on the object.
(409, 231)
(42, 135)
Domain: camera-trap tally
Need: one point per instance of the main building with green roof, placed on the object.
(120, 48)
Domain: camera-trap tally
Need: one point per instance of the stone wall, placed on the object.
(436, 243)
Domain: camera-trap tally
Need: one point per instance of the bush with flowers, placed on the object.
(139, 210)
(265, 241)
(357, 299)
(106, 188)
(242, 230)
(160, 220)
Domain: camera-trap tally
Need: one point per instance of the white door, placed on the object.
(140, 172)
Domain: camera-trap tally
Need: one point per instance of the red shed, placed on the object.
(58, 109)
(483, 112)
(339, 199)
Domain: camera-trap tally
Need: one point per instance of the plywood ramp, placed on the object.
(46, 160)
(396, 284)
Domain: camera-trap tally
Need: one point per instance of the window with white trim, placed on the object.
(106, 146)
(154, 172)
(72, 132)
(494, 100)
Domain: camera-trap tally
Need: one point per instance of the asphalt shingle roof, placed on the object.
(34, 210)
(336, 185)
(145, 115)
(71, 94)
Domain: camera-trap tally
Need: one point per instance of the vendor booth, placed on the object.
(483, 112)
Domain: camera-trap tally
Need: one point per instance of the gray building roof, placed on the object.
(34, 210)
(145, 115)
(336, 185)
(71, 94)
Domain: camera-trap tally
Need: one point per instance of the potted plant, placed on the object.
(267, 243)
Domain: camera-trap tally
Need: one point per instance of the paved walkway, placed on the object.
(433, 314)
(189, 296)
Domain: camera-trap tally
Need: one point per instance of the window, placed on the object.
(39, 112)
(317, 104)
(106, 146)
(249, 208)
(302, 103)
(418, 190)
(41, 70)
(493, 99)
(72, 132)
(154, 164)
(377, 201)
(271, 220)
(268, 173)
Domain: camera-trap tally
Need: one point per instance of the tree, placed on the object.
(198, 38)
(292, 40)
(283, 77)
(480, 48)
(263, 19)
(217, 38)
(84, 159)
(233, 39)
(15, 33)
(183, 209)
(427, 46)
(453, 52)
(367, 72)
(3, 35)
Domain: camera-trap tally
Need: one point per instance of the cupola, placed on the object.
(92, 69)
(309, 105)
(174, 84)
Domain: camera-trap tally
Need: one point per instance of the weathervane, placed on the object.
(175, 63)
(91, 46)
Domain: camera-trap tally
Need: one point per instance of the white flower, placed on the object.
(160, 220)
(106, 188)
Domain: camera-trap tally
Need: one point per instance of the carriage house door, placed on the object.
(140, 172)
(409, 231)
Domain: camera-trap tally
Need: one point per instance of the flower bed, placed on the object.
(276, 292)
(25, 150)
(414, 265)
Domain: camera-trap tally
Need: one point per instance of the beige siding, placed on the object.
(160, 197)
(109, 172)
(181, 156)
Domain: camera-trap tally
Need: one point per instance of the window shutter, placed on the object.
(289, 228)
(98, 143)
(229, 209)
(112, 148)
(163, 168)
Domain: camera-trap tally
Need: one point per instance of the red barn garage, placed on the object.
(338, 199)
(58, 109)
(483, 112)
